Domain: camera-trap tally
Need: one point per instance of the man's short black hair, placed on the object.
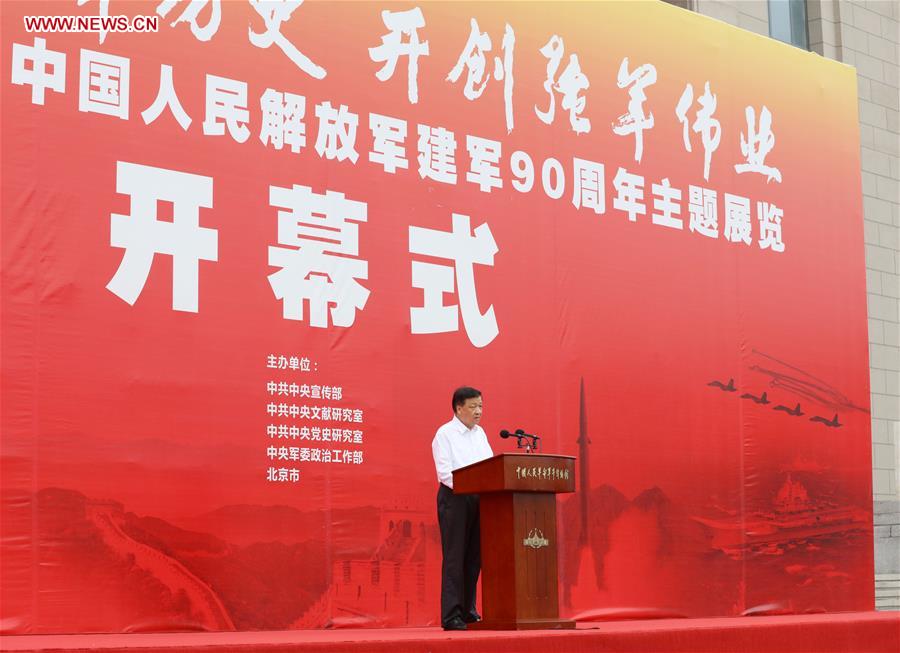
(461, 394)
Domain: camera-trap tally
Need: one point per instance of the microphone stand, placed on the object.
(522, 439)
(527, 445)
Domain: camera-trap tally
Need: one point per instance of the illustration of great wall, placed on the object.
(206, 606)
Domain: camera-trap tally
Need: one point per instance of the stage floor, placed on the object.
(857, 631)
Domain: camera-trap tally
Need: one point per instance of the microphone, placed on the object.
(519, 433)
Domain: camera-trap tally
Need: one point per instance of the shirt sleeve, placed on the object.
(442, 462)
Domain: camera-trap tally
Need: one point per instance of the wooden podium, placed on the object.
(518, 537)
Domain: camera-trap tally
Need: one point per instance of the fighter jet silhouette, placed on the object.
(834, 423)
(757, 400)
(726, 388)
(796, 412)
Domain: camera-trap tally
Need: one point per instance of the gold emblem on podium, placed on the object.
(536, 539)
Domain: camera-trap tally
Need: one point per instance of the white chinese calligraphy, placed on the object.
(388, 135)
(473, 60)
(226, 100)
(769, 217)
(282, 119)
(757, 144)
(273, 15)
(589, 187)
(629, 193)
(143, 234)
(464, 250)
(704, 212)
(635, 122)
(166, 97)
(570, 84)
(437, 147)
(47, 69)
(320, 234)
(485, 159)
(102, 12)
(704, 124)
(666, 205)
(737, 219)
(393, 47)
(336, 138)
(189, 15)
(103, 84)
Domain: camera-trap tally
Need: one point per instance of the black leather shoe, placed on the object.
(472, 617)
(455, 624)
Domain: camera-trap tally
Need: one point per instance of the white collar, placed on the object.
(462, 428)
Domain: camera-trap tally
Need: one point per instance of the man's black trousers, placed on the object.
(461, 545)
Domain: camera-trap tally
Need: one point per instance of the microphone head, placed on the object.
(520, 432)
(505, 434)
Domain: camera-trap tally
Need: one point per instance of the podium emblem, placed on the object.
(536, 539)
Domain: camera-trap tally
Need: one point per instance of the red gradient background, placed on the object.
(133, 437)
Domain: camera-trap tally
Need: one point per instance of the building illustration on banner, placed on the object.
(397, 580)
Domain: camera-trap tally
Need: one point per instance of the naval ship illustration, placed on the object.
(794, 519)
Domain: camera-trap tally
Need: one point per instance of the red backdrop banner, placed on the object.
(250, 249)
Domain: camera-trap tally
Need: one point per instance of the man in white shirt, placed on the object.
(458, 443)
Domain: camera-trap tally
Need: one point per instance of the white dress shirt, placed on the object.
(456, 446)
